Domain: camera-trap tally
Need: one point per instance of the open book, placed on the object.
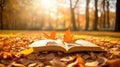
(58, 45)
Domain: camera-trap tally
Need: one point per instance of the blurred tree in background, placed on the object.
(59, 14)
(117, 26)
(87, 14)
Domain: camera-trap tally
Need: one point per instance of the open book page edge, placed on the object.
(79, 48)
(86, 43)
(50, 48)
(83, 45)
(40, 43)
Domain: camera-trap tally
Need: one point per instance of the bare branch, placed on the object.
(76, 4)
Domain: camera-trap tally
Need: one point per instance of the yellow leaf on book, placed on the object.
(51, 36)
(27, 51)
(68, 36)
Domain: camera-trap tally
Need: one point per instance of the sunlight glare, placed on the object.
(48, 4)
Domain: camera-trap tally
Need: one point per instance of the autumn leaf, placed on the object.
(27, 51)
(77, 63)
(2, 65)
(51, 36)
(68, 36)
(80, 61)
(5, 55)
(46, 35)
(114, 63)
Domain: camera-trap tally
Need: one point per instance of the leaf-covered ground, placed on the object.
(12, 42)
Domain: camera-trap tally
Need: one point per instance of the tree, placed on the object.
(104, 16)
(101, 16)
(87, 15)
(96, 16)
(1, 12)
(78, 18)
(108, 22)
(117, 26)
(72, 9)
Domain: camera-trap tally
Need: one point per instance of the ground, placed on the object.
(14, 41)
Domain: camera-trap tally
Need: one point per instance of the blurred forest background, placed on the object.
(60, 14)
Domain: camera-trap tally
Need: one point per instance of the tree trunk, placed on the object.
(101, 18)
(96, 16)
(117, 25)
(108, 22)
(73, 19)
(78, 20)
(1, 12)
(104, 16)
(73, 15)
(87, 15)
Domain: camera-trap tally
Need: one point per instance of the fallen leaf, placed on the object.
(32, 56)
(57, 63)
(51, 36)
(14, 64)
(77, 63)
(27, 51)
(5, 55)
(5, 61)
(73, 64)
(32, 65)
(1, 65)
(46, 35)
(68, 36)
(115, 52)
(114, 63)
(24, 61)
(67, 59)
(86, 56)
(93, 56)
(92, 64)
(49, 56)
(80, 61)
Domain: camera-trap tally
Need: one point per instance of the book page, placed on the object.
(48, 45)
(82, 45)
(44, 43)
(39, 43)
(85, 43)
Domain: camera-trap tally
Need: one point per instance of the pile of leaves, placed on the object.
(14, 51)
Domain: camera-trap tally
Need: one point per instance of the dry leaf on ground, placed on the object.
(114, 63)
(80, 61)
(27, 51)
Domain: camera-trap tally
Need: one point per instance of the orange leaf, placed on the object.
(51, 36)
(80, 61)
(6, 55)
(114, 63)
(46, 35)
(68, 36)
(27, 51)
